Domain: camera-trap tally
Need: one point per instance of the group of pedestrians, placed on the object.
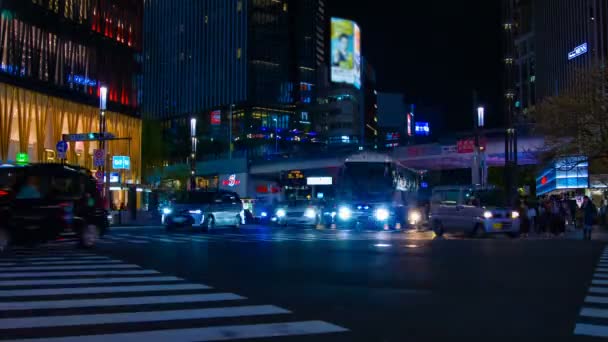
(551, 215)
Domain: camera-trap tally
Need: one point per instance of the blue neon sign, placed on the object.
(121, 162)
(422, 128)
(578, 51)
(82, 80)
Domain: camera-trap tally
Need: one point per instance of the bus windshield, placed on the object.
(367, 181)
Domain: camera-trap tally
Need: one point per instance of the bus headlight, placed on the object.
(414, 216)
(310, 213)
(344, 213)
(381, 214)
(167, 211)
(281, 213)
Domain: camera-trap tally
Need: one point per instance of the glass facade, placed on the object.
(54, 54)
(566, 173)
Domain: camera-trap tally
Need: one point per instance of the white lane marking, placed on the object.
(592, 312)
(601, 269)
(218, 333)
(107, 302)
(101, 290)
(116, 239)
(49, 254)
(596, 300)
(56, 259)
(75, 262)
(601, 275)
(87, 281)
(66, 268)
(139, 317)
(593, 289)
(80, 273)
(599, 282)
(7, 264)
(591, 330)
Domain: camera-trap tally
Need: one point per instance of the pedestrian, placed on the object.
(524, 221)
(532, 217)
(589, 214)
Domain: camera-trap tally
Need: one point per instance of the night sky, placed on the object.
(434, 51)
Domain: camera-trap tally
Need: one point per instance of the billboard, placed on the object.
(422, 128)
(345, 52)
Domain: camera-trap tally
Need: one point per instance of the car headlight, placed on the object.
(196, 212)
(381, 214)
(487, 214)
(167, 211)
(310, 213)
(414, 216)
(514, 215)
(344, 213)
(264, 214)
(281, 213)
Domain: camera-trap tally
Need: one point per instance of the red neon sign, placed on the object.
(231, 181)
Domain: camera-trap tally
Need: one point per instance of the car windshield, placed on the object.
(492, 198)
(194, 197)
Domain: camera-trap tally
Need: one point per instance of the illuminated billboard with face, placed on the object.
(345, 52)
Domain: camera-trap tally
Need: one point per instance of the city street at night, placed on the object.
(142, 283)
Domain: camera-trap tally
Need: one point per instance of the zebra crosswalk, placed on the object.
(143, 237)
(60, 295)
(593, 317)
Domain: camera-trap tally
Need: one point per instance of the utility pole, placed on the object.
(103, 105)
(230, 131)
(193, 148)
(509, 28)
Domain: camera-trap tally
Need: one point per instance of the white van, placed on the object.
(472, 210)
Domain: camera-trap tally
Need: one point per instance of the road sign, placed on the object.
(88, 136)
(99, 158)
(121, 162)
(99, 176)
(62, 149)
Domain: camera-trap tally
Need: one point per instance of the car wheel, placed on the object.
(89, 236)
(5, 240)
(237, 222)
(438, 228)
(209, 224)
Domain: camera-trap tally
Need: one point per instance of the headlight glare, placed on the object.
(167, 211)
(514, 215)
(310, 213)
(414, 216)
(487, 215)
(281, 213)
(344, 213)
(381, 214)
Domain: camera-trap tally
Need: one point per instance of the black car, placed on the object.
(43, 202)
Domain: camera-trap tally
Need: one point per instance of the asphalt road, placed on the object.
(304, 285)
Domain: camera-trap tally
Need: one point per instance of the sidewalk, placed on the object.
(143, 219)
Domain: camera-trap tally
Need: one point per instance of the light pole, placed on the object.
(479, 149)
(276, 135)
(103, 105)
(193, 154)
(230, 131)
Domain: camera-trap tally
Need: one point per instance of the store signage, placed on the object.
(319, 181)
(422, 128)
(121, 162)
(578, 51)
(82, 80)
(88, 136)
(232, 181)
(216, 118)
(22, 158)
(468, 145)
(295, 174)
(409, 124)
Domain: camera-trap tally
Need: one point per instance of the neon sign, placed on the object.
(422, 128)
(231, 181)
(578, 51)
(82, 80)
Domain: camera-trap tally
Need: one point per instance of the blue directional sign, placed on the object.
(62, 149)
(578, 51)
(121, 162)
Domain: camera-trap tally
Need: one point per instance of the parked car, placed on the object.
(41, 202)
(209, 210)
(472, 210)
(299, 213)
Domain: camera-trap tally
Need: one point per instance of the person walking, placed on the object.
(589, 215)
(524, 221)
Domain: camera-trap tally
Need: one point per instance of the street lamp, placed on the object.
(480, 117)
(103, 105)
(193, 153)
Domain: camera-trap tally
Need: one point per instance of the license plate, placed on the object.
(180, 219)
(497, 225)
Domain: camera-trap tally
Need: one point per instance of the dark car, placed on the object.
(42, 202)
(209, 210)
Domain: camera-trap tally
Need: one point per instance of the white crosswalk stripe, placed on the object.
(593, 317)
(91, 298)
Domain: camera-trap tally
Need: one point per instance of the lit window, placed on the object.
(285, 7)
(239, 53)
(206, 19)
(239, 6)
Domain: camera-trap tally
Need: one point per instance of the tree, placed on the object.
(576, 121)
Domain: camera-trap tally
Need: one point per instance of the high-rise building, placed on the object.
(54, 57)
(249, 63)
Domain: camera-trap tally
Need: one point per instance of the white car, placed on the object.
(472, 210)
